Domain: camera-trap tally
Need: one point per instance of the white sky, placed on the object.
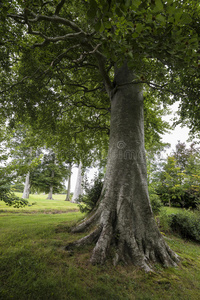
(178, 134)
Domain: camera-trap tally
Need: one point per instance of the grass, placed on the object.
(172, 210)
(40, 204)
(34, 264)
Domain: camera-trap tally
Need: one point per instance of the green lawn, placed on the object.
(40, 204)
(35, 266)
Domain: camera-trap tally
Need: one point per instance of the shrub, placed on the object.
(186, 224)
(156, 204)
(163, 220)
(92, 195)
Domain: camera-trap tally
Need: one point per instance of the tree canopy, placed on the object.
(58, 61)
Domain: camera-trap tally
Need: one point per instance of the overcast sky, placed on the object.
(178, 134)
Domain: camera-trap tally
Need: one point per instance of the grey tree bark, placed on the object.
(78, 187)
(26, 191)
(50, 195)
(124, 218)
(69, 183)
(26, 187)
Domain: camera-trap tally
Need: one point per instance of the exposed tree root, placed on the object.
(128, 249)
(86, 240)
(86, 223)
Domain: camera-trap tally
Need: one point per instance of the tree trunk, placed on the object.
(78, 188)
(124, 215)
(69, 183)
(50, 195)
(26, 187)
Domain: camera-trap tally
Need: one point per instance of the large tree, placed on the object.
(77, 61)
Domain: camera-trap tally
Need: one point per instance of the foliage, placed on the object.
(61, 59)
(18, 187)
(156, 203)
(153, 170)
(6, 177)
(8, 196)
(48, 173)
(171, 188)
(180, 177)
(163, 221)
(186, 224)
(92, 194)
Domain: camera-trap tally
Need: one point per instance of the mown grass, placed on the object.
(34, 265)
(39, 203)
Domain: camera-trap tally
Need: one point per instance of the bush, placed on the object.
(163, 220)
(8, 196)
(156, 204)
(93, 193)
(186, 224)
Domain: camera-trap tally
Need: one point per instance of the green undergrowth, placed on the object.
(34, 265)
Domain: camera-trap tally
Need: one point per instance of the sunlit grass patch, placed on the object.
(39, 203)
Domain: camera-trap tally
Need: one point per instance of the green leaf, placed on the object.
(136, 3)
(158, 6)
(161, 18)
(130, 55)
(119, 12)
(128, 3)
(97, 26)
(135, 35)
(177, 16)
(171, 9)
(139, 28)
(102, 27)
(93, 9)
(185, 19)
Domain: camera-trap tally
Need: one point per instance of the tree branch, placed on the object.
(62, 55)
(55, 19)
(59, 7)
(81, 58)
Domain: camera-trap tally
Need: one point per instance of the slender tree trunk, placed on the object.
(50, 195)
(69, 183)
(124, 218)
(78, 188)
(26, 187)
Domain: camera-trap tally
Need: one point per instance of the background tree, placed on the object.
(24, 153)
(172, 183)
(6, 175)
(49, 176)
(179, 179)
(69, 183)
(79, 182)
(76, 62)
